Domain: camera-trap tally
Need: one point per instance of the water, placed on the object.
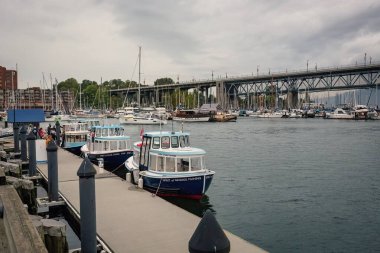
(292, 185)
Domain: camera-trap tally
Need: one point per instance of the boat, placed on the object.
(339, 113)
(360, 112)
(142, 119)
(190, 116)
(108, 146)
(74, 136)
(271, 115)
(169, 166)
(223, 117)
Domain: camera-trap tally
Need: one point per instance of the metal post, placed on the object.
(24, 153)
(209, 236)
(86, 173)
(57, 133)
(16, 137)
(32, 153)
(52, 171)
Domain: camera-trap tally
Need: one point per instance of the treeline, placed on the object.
(95, 95)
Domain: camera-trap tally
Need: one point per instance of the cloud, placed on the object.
(92, 39)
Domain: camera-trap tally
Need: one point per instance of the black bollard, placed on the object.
(86, 173)
(24, 152)
(32, 153)
(57, 133)
(209, 237)
(16, 139)
(52, 171)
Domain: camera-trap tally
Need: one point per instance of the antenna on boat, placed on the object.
(172, 127)
(182, 127)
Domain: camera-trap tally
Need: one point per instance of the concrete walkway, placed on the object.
(130, 219)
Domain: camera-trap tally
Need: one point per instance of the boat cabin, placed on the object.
(108, 138)
(168, 152)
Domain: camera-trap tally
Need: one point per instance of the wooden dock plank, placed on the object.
(130, 219)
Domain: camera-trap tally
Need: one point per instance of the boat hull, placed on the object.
(192, 187)
(111, 161)
(192, 119)
(74, 148)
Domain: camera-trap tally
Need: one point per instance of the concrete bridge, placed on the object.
(250, 88)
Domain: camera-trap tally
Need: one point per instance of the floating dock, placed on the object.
(129, 219)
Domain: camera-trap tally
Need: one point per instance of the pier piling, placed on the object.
(58, 133)
(86, 173)
(52, 171)
(24, 152)
(32, 153)
(16, 138)
(209, 237)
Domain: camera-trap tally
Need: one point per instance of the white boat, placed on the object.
(360, 112)
(142, 119)
(339, 113)
(271, 115)
(169, 166)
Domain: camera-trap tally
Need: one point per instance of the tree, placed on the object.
(163, 81)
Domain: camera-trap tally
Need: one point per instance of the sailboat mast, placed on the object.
(80, 96)
(139, 76)
(52, 93)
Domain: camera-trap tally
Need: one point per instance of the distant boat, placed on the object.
(142, 119)
(190, 116)
(168, 166)
(108, 146)
(339, 113)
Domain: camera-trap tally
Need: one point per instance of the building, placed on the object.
(8, 83)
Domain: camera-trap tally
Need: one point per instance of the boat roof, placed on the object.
(107, 127)
(114, 138)
(187, 151)
(164, 133)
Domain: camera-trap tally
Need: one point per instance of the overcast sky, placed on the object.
(92, 39)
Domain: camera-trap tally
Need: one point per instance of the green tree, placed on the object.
(163, 81)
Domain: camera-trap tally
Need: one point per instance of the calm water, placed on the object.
(293, 185)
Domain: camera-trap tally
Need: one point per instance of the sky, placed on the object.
(99, 40)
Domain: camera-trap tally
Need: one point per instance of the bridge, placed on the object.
(251, 89)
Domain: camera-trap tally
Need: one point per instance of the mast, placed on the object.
(80, 96)
(138, 101)
(52, 93)
(56, 94)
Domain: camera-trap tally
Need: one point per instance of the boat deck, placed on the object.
(131, 219)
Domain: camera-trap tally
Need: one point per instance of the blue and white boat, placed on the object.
(108, 146)
(74, 136)
(168, 165)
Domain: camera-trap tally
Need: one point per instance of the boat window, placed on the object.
(104, 132)
(174, 141)
(105, 145)
(182, 141)
(196, 163)
(153, 162)
(187, 141)
(156, 142)
(113, 145)
(160, 163)
(122, 144)
(170, 164)
(165, 142)
(183, 164)
(98, 132)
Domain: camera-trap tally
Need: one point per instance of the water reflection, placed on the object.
(197, 207)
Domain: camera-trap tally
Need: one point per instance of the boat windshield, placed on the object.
(166, 142)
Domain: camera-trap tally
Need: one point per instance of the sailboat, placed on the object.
(141, 118)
